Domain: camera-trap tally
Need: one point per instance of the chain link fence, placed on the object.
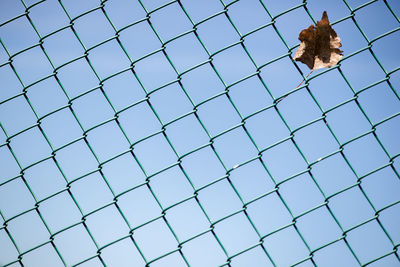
(172, 133)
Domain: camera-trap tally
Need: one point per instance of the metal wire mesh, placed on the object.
(85, 143)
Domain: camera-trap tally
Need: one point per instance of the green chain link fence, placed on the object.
(22, 251)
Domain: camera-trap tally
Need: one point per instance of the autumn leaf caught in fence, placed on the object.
(319, 47)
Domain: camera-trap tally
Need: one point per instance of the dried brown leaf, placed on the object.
(319, 47)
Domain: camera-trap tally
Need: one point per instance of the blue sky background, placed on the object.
(99, 162)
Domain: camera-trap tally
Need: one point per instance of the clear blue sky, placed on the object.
(167, 144)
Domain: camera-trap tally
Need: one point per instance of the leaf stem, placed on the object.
(296, 87)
